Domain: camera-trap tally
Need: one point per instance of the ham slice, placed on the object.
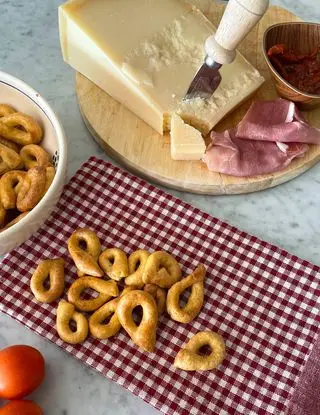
(239, 157)
(268, 138)
(277, 120)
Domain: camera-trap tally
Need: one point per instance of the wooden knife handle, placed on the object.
(239, 18)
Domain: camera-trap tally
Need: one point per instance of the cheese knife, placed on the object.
(239, 17)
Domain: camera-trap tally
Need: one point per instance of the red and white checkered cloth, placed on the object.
(261, 299)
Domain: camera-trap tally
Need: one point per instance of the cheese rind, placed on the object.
(186, 142)
(144, 53)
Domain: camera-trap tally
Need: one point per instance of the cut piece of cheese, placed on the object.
(144, 53)
(186, 142)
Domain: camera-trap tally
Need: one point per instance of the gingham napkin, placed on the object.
(261, 299)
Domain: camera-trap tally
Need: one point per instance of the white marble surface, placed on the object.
(287, 215)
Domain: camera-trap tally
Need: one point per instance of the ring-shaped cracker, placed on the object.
(98, 328)
(104, 331)
(10, 144)
(65, 314)
(143, 335)
(195, 301)
(33, 155)
(161, 269)
(159, 294)
(106, 290)
(136, 264)
(32, 189)
(10, 185)
(85, 259)
(188, 358)
(6, 109)
(50, 173)
(114, 263)
(9, 159)
(54, 269)
(21, 129)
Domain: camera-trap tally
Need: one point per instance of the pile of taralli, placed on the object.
(151, 281)
(25, 168)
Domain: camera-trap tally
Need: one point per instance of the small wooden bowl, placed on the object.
(302, 38)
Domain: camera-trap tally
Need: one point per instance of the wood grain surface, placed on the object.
(139, 148)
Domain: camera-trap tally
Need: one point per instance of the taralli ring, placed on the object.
(32, 189)
(195, 301)
(10, 128)
(33, 155)
(10, 144)
(143, 335)
(6, 110)
(65, 315)
(114, 263)
(159, 294)
(161, 269)
(189, 357)
(54, 269)
(9, 159)
(50, 173)
(10, 185)
(84, 248)
(136, 263)
(102, 330)
(106, 290)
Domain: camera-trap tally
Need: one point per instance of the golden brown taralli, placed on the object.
(106, 290)
(65, 315)
(159, 294)
(143, 335)
(10, 144)
(54, 270)
(32, 189)
(6, 110)
(195, 301)
(188, 358)
(102, 331)
(9, 159)
(114, 263)
(136, 263)
(161, 269)
(21, 129)
(85, 258)
(33, 155)
(10, 185)
(50, 173)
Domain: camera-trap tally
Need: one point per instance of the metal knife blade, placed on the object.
(206, 80)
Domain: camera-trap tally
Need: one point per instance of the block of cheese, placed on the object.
(144, 53)
(186, 142)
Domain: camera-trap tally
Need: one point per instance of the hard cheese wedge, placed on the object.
(186, 142)
(144, 53)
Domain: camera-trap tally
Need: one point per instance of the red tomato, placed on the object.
(21, 408)
(21, 371)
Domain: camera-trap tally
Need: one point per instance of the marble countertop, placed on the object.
(287, 215)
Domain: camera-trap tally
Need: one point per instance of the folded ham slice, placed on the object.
(269, 137)
(238, 157)
(277, 120)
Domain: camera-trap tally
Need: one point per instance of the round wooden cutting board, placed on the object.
(138, 147)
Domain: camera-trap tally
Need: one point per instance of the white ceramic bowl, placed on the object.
(22, 97)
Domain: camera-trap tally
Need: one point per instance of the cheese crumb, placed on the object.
(168, 47)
